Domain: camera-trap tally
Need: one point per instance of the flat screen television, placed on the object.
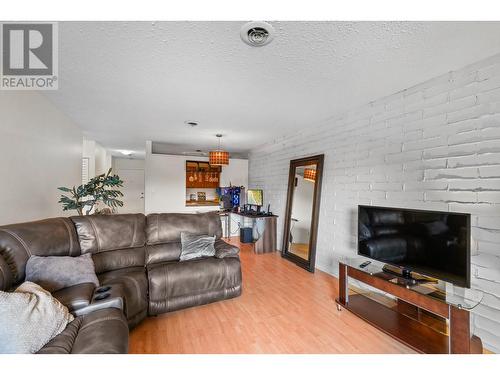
(254, 197)
(431, 243)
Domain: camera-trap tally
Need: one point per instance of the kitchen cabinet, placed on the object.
(202, 175)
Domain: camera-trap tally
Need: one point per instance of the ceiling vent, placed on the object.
(257, 34)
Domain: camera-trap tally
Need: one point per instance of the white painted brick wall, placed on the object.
(432, 146)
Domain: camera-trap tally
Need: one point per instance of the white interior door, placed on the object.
(133, 191)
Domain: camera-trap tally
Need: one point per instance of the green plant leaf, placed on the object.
(101, 188)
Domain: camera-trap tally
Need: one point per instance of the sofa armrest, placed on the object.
(224, 250)
(116, 303)
(75, 297)
(100, 332)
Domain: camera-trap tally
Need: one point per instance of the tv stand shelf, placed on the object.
(402, 322)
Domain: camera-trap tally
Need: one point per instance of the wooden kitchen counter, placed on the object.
(201, 203)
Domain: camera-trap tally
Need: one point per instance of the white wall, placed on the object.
(235, 174)
(40, 150)
(127, 163)
(166, 181)
(433, 146)
(100, 159)
(103, 160)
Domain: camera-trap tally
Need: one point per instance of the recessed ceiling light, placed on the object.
(257, 34)
(126, 152)
(191, 123)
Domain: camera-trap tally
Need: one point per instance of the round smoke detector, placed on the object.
(257, 34)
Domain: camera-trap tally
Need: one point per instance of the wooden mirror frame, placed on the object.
(309, 263)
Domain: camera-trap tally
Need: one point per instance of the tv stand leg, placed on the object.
(460, 337)
(343, 285)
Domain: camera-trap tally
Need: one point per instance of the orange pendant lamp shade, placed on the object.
(218, 157)
(310, 175)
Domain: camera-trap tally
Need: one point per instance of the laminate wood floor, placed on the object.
(283, 309)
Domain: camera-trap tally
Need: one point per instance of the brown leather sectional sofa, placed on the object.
(136, 259)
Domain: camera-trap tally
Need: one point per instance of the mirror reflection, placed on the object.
(302, 211)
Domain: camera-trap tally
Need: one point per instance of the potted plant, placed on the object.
(84, 198)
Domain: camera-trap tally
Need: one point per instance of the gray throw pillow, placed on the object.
(196, 246)
(57, 272)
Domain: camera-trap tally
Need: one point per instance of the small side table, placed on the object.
(264, 229)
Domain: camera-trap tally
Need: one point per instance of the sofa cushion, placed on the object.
(134, 284)
(75, 297)
(165, 252)
(196, 246)
(29, 318)
(118, 259)
(57, 272)
(99, 332)
(98, 233)
(165, 228)
(223, 249)
(49, 237)
(177, 285)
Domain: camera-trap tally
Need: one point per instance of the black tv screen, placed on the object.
(431, 243)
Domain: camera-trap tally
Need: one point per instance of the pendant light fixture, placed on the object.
(310, 175)
(218, 157)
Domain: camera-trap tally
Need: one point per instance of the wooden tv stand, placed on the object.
(401, 322)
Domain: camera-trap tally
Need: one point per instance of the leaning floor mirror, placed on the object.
(302, 211)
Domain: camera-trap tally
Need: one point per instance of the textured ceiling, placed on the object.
(128, 82)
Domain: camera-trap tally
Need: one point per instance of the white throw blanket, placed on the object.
(29, 318)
